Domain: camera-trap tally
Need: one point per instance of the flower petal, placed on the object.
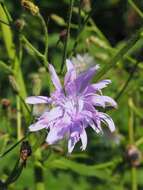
(37, 126)
(74, 138)
(107, 120)
(69, 65)
(101, 84)
(96, 128)
(55, 78)
(52, 115)
(38, 100)
(83, 137)
(80, 105)
(56, 133)
(109, 101)
(84, 78)
(69, 77)
(96, 100)
(92, 88)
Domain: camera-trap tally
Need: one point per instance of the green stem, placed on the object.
(131, 123)
(67, 35)
(134, 178)
(139, 142)
(46, 35)
(79, 15)
(38, 171)
(35, 51)
(82, 29)
(12, 55)
(31, 47)
(16, 172)
(98, 31)
(127, 82)
(131, 141)
(134, 6)
(19, 131)
(6, 68)
(3, 22)
(13, 146)
(120, 54)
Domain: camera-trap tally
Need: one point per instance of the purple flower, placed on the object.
(74, 107)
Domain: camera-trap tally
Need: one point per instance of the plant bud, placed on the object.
(25, 151)
(19, 24)
(30, 6)
(86, 5)
(63, 35)
(5, 103)
(13, 83)
(134, 156)
(59, 20)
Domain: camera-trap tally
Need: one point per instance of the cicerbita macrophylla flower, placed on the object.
(74, 107)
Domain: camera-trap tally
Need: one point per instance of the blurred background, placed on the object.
(111, 161)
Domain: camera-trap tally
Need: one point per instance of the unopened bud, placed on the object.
(59, 20)
(13, 83)
(97, 41)
(86, 5)
(19, 24)
(63, 35)
(134, 156)
(5, 103)
(30, 6)
(25, 151)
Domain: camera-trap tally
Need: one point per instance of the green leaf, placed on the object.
(100, 171)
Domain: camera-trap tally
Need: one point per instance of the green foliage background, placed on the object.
(113, 35)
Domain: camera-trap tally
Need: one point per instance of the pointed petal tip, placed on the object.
(37, 100)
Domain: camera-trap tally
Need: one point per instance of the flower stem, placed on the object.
(46, 35)
(134, 178)
(13, 146)
(121, 53)
(127, 82)
(67, 35)
(139, 142)
(19, 132)
(131, 123)
(131, 141)
(31, 47)
(134, 6)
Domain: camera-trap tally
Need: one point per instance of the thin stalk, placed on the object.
(31, 47)
(134, 6)
(127, 82)
(46, 35)
(134, 178)
(98, 31)
(3, 22)
(6, 68)
(139, 142)
(79, 15)
(38, 171)
(120, 54)
(81, 29)
(12, 55)
(14, 146)
(131, 141)
(131, 123)
(19, 131)
(67, 35)
(35, 51)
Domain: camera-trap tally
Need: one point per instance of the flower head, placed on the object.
(74, 107)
